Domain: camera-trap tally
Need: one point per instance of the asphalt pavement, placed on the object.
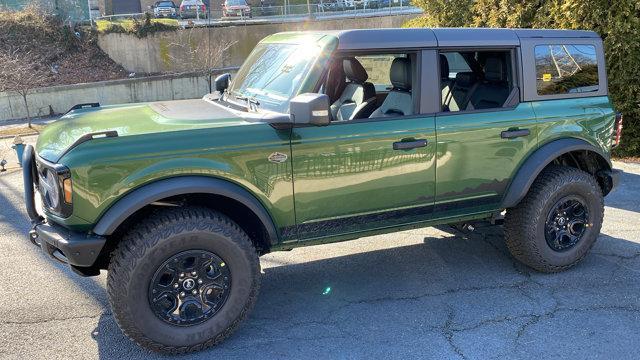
(427, 294)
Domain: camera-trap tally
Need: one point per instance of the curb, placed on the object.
(2, 137)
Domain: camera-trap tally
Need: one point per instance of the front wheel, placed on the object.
(183, 280)
(557, 222)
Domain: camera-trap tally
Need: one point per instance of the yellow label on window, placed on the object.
(546, 77)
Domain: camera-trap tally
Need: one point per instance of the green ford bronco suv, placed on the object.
(323, 137)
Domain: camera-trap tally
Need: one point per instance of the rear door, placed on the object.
(484, 138)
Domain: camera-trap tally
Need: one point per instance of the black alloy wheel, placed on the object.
(190, 287)
(566, 223)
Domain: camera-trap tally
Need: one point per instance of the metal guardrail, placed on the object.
(121, 16)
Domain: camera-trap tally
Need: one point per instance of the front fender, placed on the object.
(537, 161)
(145, 195)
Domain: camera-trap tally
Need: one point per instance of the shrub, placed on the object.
(617, 22)
(139, 28)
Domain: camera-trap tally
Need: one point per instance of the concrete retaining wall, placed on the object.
(175, 51)
(62, 98)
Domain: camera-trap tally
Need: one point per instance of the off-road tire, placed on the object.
(154, 240)
(525, 223)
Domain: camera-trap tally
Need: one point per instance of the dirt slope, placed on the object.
(60, 54)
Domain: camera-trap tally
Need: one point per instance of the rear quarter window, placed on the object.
(566, 69)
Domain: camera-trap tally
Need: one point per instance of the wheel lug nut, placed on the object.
(182, 294)
(175, 285)
(194, 291)
(181, 274)
(193, 273)
(199, 281)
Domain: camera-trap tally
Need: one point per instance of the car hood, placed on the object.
(129, 120)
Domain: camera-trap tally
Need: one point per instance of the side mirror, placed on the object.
(310, 108)
(222, 82)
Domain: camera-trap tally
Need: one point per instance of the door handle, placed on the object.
(510, 134)
(407, 145)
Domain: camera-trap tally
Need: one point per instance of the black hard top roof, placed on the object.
(445, 37)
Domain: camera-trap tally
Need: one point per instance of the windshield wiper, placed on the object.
(252, 102)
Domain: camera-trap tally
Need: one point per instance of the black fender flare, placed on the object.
(537, 161)
(182, 185)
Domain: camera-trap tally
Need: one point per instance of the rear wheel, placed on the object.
(183, 280)
(557, 222)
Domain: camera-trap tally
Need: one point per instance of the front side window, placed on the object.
(566, 69)
(273, 73)
(363, 86)
(378, 68)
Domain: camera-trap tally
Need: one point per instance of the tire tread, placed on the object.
(520, 230)
(147, 234)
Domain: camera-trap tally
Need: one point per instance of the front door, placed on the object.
(350, 177)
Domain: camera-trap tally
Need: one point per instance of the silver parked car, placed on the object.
(164, 9)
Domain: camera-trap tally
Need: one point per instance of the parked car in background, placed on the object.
(268, 8)
(164, 9)
(366, 4)
(388, 3)
(238, 8)
(193, 9)
(335, 5)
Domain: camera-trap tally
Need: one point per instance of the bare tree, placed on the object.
(201, 56)
(21, 76)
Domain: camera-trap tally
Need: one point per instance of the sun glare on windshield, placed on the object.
(274, 72)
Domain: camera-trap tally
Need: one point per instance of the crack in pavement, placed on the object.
(448, 334)
(618, 256)
(43, 321)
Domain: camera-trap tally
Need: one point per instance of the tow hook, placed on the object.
(468, 227)
(33, 236)
(464, 228)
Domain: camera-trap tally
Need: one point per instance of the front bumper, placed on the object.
(67, 246)
(74, 248)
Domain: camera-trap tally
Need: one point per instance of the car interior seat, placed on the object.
(399, 101)
(493, 90)
(358, 99)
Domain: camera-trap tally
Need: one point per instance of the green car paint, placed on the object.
(348, 172)
(590, 119)
(337, 182)
(154, 147)
(474, 164)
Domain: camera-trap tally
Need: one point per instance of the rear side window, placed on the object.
(566, 69)
(475, 80)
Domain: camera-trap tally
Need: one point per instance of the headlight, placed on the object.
(54, 184)
(50, 190)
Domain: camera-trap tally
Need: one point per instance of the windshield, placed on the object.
(165, 4)
(236, 2)
(273, 73)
